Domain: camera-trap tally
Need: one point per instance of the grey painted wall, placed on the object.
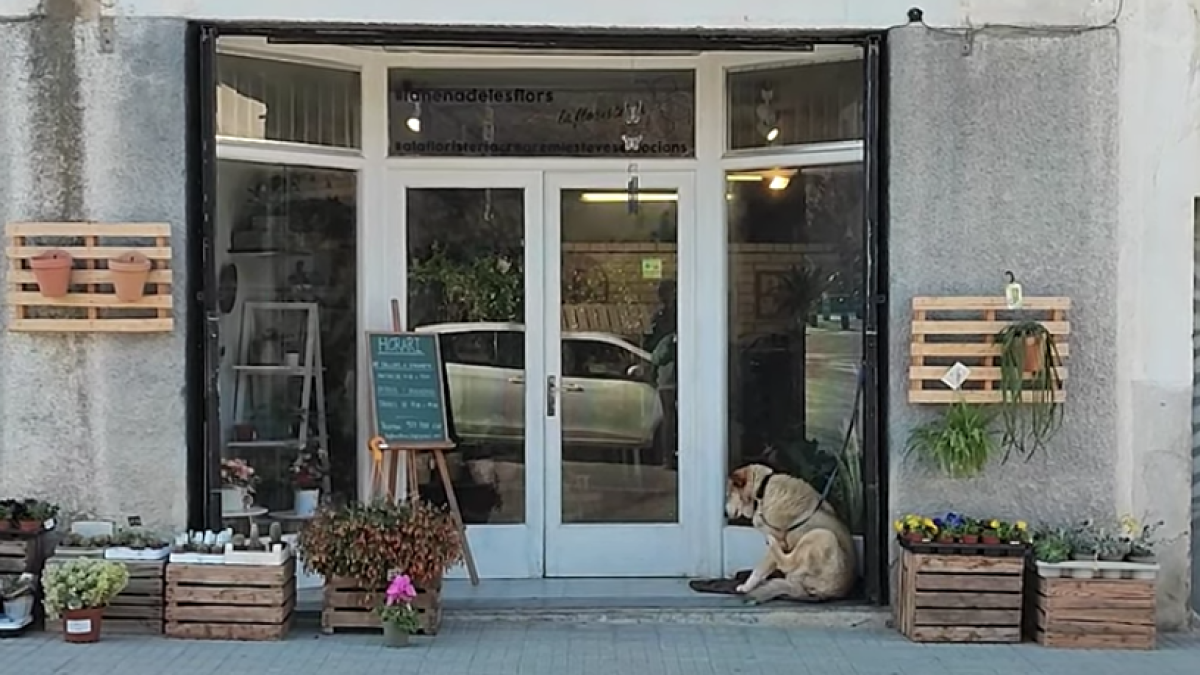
(1196, 408)
(94, 421)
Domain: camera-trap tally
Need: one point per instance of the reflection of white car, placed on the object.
(607, 399)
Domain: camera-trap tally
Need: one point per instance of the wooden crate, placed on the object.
(349, 606)
(1092, 613)
(946, 330)
(91, 306)
(230, 602)
(959, 598)
(137, 610)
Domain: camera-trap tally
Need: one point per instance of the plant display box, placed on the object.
(26, 552)
(137, 610)
(350, 606)
(959, 598)
(230, 602)
(1092, 605)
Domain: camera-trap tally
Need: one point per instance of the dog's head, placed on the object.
(740, 488)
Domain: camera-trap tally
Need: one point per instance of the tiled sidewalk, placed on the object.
(536, 648)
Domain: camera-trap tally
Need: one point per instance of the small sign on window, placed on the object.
(652, 268)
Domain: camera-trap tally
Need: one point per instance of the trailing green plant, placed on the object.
(959, 442)
(83, 583)
(1030, 410)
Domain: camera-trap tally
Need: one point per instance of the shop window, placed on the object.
(796, 274)
(466, 283)
(268, 100)
(593, 113)
(812, 103)
(285, 249)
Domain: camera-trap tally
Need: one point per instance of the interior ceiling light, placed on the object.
(744, 177)
(414, 120)
(779, 182)
(623, 197)
(772, 134)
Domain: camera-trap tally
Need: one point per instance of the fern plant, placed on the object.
(959, 443)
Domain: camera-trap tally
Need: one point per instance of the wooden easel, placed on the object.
(386, 462)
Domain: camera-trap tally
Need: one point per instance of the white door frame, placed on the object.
(627, 549)
(503, 551)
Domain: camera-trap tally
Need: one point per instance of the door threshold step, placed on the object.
(779, 615)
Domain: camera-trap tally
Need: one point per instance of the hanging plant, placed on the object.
(959, 443)
(1029, 384)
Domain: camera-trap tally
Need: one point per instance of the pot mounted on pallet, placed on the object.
(129, 272)
(53, 272)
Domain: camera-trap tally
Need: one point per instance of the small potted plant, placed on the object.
(1016, 533)
(959, 442)
(1029, 384)
(16, 594)
(52, 270)
(1142, 542)
(1051, 546)
(970, 531)
(1084, 539)
(32, 515)
(990, 532)
(237, 485)
(1111, 547)
(308, 473)
(399, 617)
(950, 527)
(78, 591)
(915, 529)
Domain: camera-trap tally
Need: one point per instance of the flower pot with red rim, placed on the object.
(29, 525)
(990, 541)
(129, 272)
(970, 539)
(81, 626)
(945, 539)
(914, 537)
(52, 269)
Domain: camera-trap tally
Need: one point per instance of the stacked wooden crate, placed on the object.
(1093, 605)
(350, 606)
(231, 602)
(959, 598)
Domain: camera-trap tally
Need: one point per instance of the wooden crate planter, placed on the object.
(1113, 611)
(349, 606)
(946, 330)
(138, 610)
(230, 602)
(959, 598)
(91, 306)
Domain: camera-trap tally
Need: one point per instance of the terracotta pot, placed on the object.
(53, 272)
(970, 539)
(945, 539)
(1034, 353)
(129, 272)
(5, 526)
(29, 525)
(990, 541)
(913, 537)
(82, 625)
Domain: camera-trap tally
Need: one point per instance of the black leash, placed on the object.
(762, 487)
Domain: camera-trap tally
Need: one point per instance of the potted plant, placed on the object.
(1142, 542)
(1029, 385)
(1016, 533)
(6, 514)
(237, 485)
(1051, 546)
(990, 532)
(970, 531)
(959, 442)
(31, 515)
(129, 272)
(366, 543)
(1084, 540)
(16, 596)
(308, 474)
(951, 528)
(914, 528)
(52, 269)
(399, 617)
(1111, 547)
(78, 591)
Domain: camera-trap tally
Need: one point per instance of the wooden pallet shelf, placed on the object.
(230, 602)
(91, 306)
(946, 330)
(348, 606)
(959, 598)
(137, 610)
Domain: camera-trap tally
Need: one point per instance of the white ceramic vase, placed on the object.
(306, 501)
(19, 609)
(233, 499)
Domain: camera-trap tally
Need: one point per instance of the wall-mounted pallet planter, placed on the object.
(1092, 613)
(946, 330)
(348, 606)
(91, 305)
(959, 598)
(230, 602)
(137, 610)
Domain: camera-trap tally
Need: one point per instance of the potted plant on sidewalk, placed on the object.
(16, 596)
(78, 591)
(399, 618)
(308, 473)
(237, 485)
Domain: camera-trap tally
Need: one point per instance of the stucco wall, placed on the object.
(96, 423)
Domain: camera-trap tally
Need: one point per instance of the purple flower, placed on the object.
(401, 590)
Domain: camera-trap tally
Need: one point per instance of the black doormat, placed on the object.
(725, 586)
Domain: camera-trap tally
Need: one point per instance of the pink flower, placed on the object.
(401, 590)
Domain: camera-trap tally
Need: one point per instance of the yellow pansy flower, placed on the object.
(1021, 525)
(994, 524)
(899, 525)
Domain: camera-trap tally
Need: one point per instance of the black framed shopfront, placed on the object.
(204, 357)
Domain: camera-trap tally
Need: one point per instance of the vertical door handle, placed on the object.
(551, 396)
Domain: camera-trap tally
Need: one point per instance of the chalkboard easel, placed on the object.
(410, 407)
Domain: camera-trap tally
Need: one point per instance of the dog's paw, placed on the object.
(743, 588)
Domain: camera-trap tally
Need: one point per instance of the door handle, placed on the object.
(517, 379)
(572, 387)
(551, 396)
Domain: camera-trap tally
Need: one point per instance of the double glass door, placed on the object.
(562, 305)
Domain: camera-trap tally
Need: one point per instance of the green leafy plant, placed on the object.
(1052, 545)
(138, 538)
(1029, 387)
(83, 583)
(1084, 539)
(959, 442)
(369, 542)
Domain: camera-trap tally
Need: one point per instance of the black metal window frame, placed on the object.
(203, 356)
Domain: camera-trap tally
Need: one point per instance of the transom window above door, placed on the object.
(542, 113)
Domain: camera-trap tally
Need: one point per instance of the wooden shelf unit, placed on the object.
(946, 330)
(91, 306)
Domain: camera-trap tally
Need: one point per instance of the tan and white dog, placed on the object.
(806, 541)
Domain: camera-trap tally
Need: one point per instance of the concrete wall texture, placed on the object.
(95, 422)
(1070, 158)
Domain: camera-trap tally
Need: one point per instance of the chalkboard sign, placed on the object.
(408, 385)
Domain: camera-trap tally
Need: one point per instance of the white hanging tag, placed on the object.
(1014, 297)
(956, 375)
